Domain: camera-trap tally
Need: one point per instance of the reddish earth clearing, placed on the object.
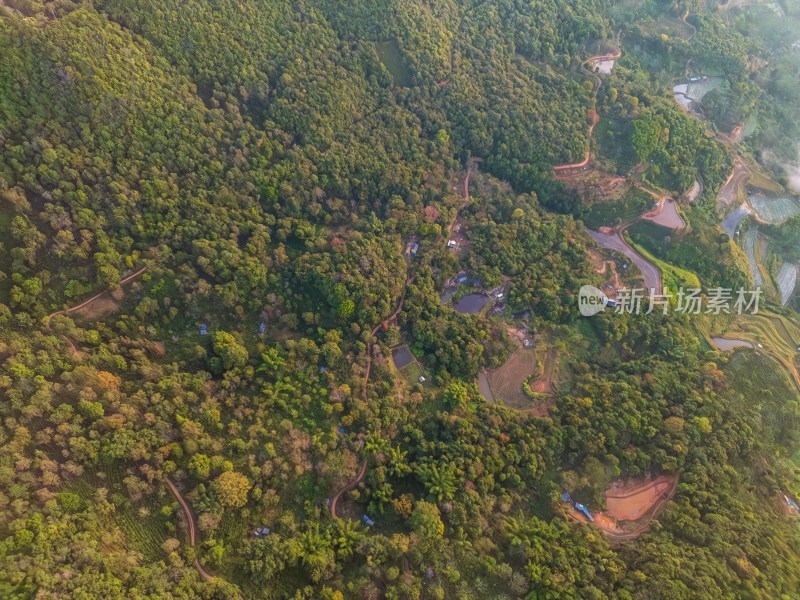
(631, 507)
(730, 191)
(600, 184)
(632, 500)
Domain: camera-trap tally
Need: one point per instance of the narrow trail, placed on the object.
(694, 29)
(86, 303)
(360, 476)
(592, 112)
(192, 530)
(349, 486)
(409, 281)
(463, 204)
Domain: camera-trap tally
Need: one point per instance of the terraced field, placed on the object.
(778, 334)
(773, 210)
(750, 249)
(787, 278)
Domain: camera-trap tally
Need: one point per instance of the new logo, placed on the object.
(591, 300)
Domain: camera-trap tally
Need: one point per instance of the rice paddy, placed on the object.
(778, 335)
(773, 210)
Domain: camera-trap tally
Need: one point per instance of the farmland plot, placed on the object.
(787, 278)
(750, 250)
(773, 210)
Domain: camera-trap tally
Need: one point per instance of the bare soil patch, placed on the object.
(633, 499)
(544, 383)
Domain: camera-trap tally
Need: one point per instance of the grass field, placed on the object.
(672, 277)
(507, 381)
(392, 59)
(413, 371)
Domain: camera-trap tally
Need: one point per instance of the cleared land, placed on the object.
(633, 499)
(730, 191)
(544, 383)
(639, 502)
(507, 381)
(695, 191)
(773, 210)
(725, 344)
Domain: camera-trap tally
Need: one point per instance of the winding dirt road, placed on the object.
(561, 169)
(86, 303)
(349, 486)
(192, 530)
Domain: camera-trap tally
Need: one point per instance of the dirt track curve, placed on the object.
(192, 530)
(592, 112)
(349, 486)
(87, 302)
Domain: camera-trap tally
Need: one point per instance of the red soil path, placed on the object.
(409, 281)
(349, 486)
(463, 204)
(192, 530)
(642, 503)
(560, 169)
(86, 303)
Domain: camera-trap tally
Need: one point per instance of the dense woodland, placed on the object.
(267, 164)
